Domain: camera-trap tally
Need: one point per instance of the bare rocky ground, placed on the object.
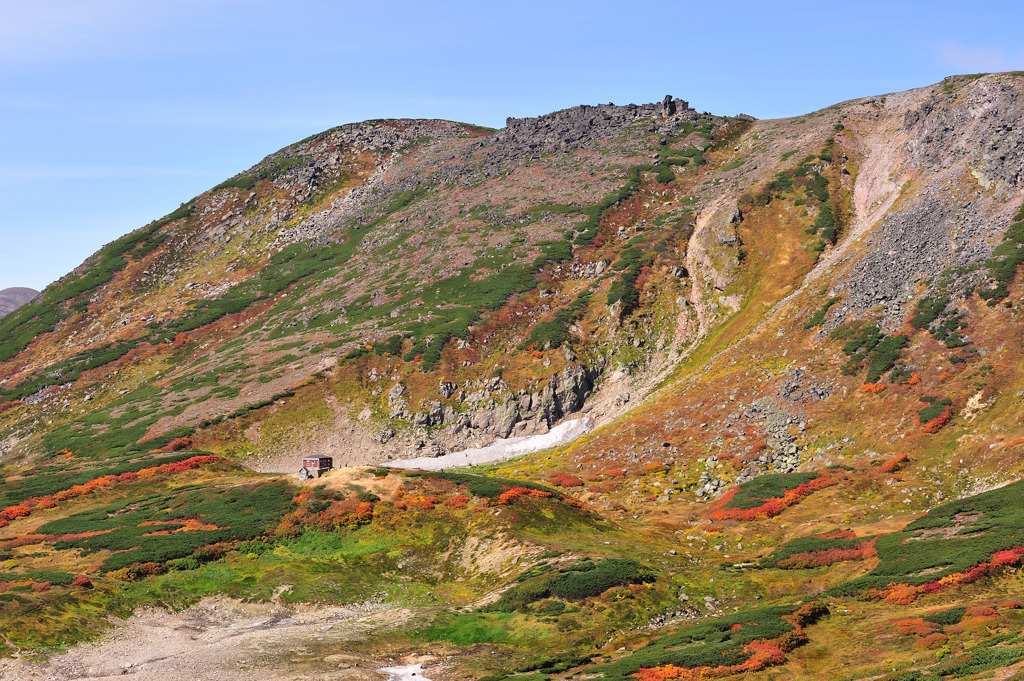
(222, 639)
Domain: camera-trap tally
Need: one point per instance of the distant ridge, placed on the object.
(13, 298)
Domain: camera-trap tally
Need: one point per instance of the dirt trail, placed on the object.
(222, 639)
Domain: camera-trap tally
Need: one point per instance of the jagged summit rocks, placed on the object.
(13, 298)
(581, 126)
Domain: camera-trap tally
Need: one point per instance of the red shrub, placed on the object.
(177, 444)
(427, 502)
(514, 493)
(457, 501)
(895, 464)
(901, 594)
(663, 673)
(822, 557)
(936, 424)
(904, 594)
(40, 587)
(771, 507)
(16, 511)
(932, 641)
(82, 581)
(837, 534)
(981, 611)
(565, 480)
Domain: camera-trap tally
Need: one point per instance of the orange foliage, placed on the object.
(565, 480)
(981, 611)
(894, 464)
(936, 424)
(426, 502)
(16, 511)
(665, 673)
(181, 340)
(4, 406)
(177, 444)
(837, 534)
(932, 641)
(193, 524)
(917, 628)
(23, 540)
(49, 501)
(901, 594)
(822, 557)
(514, 493)
(771, 507)
(904, 594)
(82, 581)
(457, 501)
(873, 388)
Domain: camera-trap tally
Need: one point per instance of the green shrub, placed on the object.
(479, 485)
(866, 343)
(19, 328)
(54, 578)
(577, 585)
(944, 617)
(825, 223)
(45, 479)
(884, 356)
(934, 409)
(977, 661)
(466, 629)
(818, 318)
(716, 642)
(240, 513)
(928, 310)
(805, 544)
(1002, 266)
(916, 556)
(583, 579)
(756, 492)
(264, 171)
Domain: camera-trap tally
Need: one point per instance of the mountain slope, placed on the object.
(12, 298)
(798, 339)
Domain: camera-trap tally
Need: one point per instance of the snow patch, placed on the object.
(501, 449)
(409, 672)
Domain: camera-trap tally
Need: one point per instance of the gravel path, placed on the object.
(222, 639)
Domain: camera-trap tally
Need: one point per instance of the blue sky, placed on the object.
(113, 112)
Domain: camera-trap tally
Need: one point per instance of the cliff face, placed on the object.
(831, 300)
(11, 298)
